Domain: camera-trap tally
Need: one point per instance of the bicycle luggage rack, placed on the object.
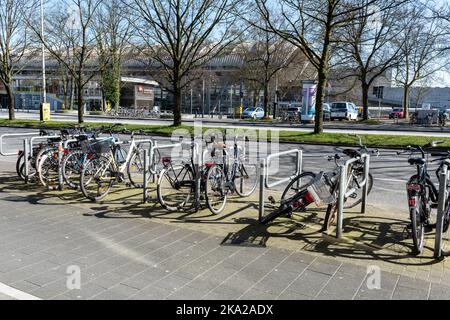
(441, 211)
(343, 185)
(264, 176)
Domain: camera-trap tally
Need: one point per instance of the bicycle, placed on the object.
(177, 183)
(323, 189)
(225, 179)
(106, 163)
(422, 193)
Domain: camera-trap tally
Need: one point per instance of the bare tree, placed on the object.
(112, 25)
(368, 44)
(14, 43)
(264, 56)
(422, 46)
(72, 22)
(311, 25)
(181, 35)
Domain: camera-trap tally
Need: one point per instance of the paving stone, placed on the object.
(406, 293)
(325, 266)
(86, 291)
(439, 292)
(151, 293)
(375, 294)
(291, 295)
(109, 279)
(309, 283)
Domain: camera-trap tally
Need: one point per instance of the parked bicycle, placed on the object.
(323, 188)
(224, 179)
(422, 192)
(106, 164)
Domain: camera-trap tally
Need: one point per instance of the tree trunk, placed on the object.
(80, 103)
(266, 99)
(365, 100)
(177, 104)
(10, 93)
(72, 94)
(406, 102)
(318, 126)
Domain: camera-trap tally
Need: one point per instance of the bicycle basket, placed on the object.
(101, 147)
(320, 192)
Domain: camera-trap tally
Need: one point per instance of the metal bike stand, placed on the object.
(343, 185)
(443, 195)
(26, 152)
(264, 176)
(146, 172)
(33, 139)
(12, 135)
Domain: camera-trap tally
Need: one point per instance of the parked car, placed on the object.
(312, 114)
(396, 113)
(253, 113)
(343, 111)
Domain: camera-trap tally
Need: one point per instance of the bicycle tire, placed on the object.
(48, 169)
(417, 229)
(238, 180)
(19, 163)
(85, 180)
(218, 187)
(164, 201)
(72, 183)
(356, 203)
(136, 161)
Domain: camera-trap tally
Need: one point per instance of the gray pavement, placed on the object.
(136, 257)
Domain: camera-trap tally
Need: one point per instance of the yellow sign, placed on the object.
(46, 112)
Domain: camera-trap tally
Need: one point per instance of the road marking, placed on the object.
(16, 294)
(393, 180)
(387, 189)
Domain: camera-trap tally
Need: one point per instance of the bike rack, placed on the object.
(343, 185)
(264, 176)
(443, 196)
(12, 135)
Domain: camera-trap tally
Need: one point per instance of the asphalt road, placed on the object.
(390, 171)
(335, 127)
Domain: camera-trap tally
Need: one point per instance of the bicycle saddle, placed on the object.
(352, 153)
(417, 161)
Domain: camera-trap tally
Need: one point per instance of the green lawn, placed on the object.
(284, 135)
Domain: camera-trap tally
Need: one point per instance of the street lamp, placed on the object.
(44, 93)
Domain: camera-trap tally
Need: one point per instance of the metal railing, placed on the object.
(13, 135)
(264, 176)
(345, 193)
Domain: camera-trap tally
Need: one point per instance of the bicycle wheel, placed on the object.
(175, 187)
(71, 168)
(246, 179)
(417, 228)
(48, 169)
(97, 178)
(215, 189)
(19, 163)
(135, 169)
(298, 184)
(356, 197)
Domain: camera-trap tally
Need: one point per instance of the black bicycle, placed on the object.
(422, 192)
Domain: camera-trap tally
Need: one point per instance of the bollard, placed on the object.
(366, 185)
(440, 212)
(340, 213)
(26, 152)
(146, 171)
(262, 185)
(60, 159)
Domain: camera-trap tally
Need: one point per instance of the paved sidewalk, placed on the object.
(127, 250)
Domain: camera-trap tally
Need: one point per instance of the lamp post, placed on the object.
(44, 92)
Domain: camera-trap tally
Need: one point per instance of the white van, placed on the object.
(344, 111)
